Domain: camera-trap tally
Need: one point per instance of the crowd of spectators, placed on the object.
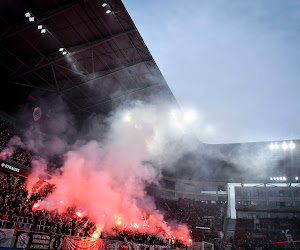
(205, 218)
(20, 211)
(19, 155)
(22, 156)
(264, 233)
(6, 132)
(194, 213)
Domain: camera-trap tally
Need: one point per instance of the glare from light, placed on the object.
(284, 178)
(43, 31)
(104, 4)
(271, 146)
(296, 178)
(31, 19)
(28, 14)
(65, 52)
(280, 178)
(108, 11)
(292, 145)
(277, 178)
(61, 49)
(274, 178)
(190, 116)
(276, 146)
(40, 27)
(271, 178)
(127, 118)
(284, 146)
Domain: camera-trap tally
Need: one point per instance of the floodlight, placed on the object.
(292, 145)
(190, 116)
(108, 11)
(280, 178)
(104, 4)
(271, 178)
(28, 14)
(61, 49)
(271, 146)
(277, 178)
(276, 146)
(64, 53)
(40, 27)
(296, 178)
(284, 178)
(284, 146)
(31, 19)
(127, 118)
(43, 31)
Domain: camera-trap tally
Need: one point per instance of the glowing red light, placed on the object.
(78, 214)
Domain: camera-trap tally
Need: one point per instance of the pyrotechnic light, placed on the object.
(136, 225)
(35, 205)
(61, 202)
(95, 235)
(119, 222)
(78, 214)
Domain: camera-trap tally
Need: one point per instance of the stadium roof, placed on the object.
(107, 61)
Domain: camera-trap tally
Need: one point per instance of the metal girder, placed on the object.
(47, 15)
(106, 75)
(77, 49)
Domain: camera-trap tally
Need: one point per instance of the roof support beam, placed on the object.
(77, 49)
(41, 19)
(106, 75)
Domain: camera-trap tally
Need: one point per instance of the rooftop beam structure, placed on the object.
(75, 50)
(41, 19)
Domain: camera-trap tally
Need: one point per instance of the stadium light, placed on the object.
(65, 52)
(296, 178)
(271, 146)
(280, 178)
(277, 178)
(43, 31)
(276, 146)
(28, 14)
(40, 27)
(104, 5)
(271, 178)
(292, 145)
(284, 146)
(190, 116)
(108, 11)
(31, 19)
(61, 49)
(284, 178)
